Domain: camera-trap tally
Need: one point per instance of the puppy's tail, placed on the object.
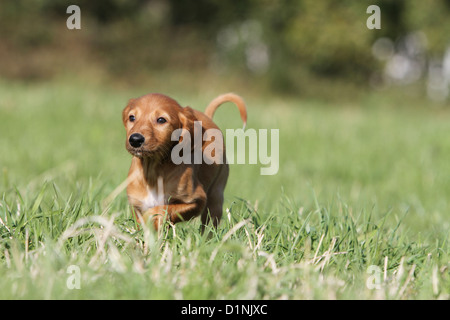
(227, 97)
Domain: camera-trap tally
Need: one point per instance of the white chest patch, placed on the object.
(152, 199)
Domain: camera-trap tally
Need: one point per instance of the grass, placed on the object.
(361, 194)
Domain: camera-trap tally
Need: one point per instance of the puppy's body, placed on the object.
(157, 186)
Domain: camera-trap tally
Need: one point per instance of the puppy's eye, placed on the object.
(132, 118)
(161, 120)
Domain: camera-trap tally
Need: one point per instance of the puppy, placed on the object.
(157, 187)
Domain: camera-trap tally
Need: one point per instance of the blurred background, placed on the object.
(364, 145)
(291, 47)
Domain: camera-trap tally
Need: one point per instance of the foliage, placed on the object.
(280, 42)
(359, 186)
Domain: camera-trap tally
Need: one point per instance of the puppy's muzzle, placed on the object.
(136, 140)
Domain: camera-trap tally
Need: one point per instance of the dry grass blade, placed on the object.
(235, 228)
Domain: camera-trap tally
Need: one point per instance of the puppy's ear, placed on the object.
(187, 119)
(125, 111)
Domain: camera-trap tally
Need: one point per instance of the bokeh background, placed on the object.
(351, 103)
(364, 126)
(298, 47)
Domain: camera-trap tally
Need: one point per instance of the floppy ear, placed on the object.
(187, 119)
(125, 111)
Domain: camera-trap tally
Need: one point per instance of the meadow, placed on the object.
(359, 208)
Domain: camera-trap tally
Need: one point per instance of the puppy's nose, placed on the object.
(136, 140)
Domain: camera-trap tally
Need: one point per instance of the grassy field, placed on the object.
(359, 209)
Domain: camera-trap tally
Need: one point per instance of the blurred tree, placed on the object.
(281, 41)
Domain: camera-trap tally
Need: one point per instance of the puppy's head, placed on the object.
(150, 121)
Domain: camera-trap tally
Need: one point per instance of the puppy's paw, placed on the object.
(155, 216)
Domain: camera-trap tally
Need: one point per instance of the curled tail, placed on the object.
(227, 97)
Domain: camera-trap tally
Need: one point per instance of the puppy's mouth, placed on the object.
(140, 151)
(146, 151)
(136, 152)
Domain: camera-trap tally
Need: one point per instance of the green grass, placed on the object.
(360, 186)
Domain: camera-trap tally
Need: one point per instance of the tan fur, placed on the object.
(159, 187)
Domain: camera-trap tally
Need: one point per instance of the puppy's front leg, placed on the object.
(175, 212)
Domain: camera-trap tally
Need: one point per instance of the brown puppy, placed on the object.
(158, 187)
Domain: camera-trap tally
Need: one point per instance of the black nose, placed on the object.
(136, 140)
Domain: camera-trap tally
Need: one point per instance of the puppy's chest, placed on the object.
(152, 199)
(143, 196)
